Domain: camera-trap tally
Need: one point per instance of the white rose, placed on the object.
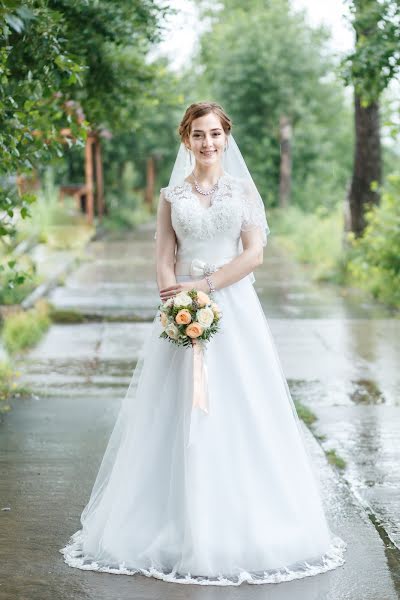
(172, 331)
(205, 317)
(168, 302)
(182, 299)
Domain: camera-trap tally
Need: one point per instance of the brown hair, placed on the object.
(199, 109)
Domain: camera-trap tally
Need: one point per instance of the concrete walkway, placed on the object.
(340, 357)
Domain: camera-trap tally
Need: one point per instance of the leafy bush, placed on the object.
(24, 329)
(6, 384)
(9, 388)
(312, 238)
(128, 218)
(375, 257)
(17, 282)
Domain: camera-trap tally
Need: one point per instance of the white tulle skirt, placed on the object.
(241, 503)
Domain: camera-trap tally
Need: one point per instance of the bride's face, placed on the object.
(207, 139)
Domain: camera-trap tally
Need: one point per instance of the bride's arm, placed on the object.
(241, 265)
(165, 245)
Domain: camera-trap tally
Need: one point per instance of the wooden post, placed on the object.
(286, 161)
(89, 180)
(99, 180)
(150, 176)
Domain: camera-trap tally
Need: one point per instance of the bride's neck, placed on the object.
(207, 176)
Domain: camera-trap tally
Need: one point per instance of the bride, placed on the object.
(223, 493)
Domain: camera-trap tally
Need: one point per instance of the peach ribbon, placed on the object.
(200, 387)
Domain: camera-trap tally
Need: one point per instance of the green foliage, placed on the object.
(9, 388)
(57, 225)
(18, 281)
(150, 131)
(6, 385)
(112, 40)
(66, 64)
(375, 60)
(305, 413)
(375, 257)
(334, 459)
(124, 217)
(23, 330)
(67, 316)
(312, 238)
(271, 63)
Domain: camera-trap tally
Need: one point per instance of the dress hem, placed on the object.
(332, 559)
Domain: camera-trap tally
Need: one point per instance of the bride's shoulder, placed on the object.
(172, 192)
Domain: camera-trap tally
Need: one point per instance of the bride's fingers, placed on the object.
(170, 291)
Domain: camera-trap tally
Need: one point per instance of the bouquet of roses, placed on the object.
(188, 316)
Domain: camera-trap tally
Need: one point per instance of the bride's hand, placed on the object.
(168, 292)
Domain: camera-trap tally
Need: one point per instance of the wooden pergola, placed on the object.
(93, 187)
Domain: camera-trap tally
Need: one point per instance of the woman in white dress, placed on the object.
(227, 494)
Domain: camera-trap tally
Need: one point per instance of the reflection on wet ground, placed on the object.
(340, 354)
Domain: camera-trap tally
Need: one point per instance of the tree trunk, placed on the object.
(89, 179)
(150, 177)
(285, 179)
(367, 166)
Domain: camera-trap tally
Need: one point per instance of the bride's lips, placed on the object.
(208, 152)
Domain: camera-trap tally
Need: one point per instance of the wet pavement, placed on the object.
(340, 354)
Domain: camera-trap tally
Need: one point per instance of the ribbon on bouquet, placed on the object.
(200, 404)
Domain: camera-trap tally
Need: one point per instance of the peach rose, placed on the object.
(183, 317)
(194, 330)
(202, 298)
(164, 319)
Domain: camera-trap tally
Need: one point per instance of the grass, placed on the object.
(23, 329)
(309, 418)
(9, 387)
(66, 316)
(314, 239)
(335, 459)
(305, 414)
(125, 218)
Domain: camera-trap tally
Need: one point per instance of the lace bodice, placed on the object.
(211, 233)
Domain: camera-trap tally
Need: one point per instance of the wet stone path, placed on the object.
(340, 355)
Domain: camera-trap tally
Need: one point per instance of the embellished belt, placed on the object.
(198, 267)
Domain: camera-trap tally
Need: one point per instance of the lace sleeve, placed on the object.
(253, 215)
(166, 193)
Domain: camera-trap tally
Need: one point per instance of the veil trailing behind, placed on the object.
(242, 503)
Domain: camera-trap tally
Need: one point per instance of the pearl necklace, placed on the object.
(205, 192)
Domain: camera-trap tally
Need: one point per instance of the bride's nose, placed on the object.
(207, 141)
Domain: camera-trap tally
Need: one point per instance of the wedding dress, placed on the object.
(241, 501)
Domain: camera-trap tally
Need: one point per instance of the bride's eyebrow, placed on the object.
(201, 130)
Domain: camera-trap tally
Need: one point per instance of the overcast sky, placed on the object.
(182, 30)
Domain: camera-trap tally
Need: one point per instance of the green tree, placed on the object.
(374, 62)
(34, 71)
(262, 61)
(59, 57)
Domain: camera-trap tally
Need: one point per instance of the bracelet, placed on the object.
(210, 284)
